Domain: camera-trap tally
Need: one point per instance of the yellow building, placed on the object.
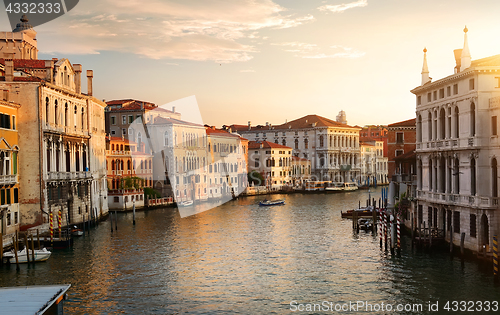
(9, 183)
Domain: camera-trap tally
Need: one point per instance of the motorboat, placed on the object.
(265, 202)
(75, 231)
(186, 203)
(365, 223)
(336, 187)
(350, 186)
(40, 255)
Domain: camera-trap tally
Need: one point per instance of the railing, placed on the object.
(464, 200)
(68, 175)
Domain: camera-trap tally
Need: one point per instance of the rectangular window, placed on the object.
(429, 216)
(113, 132)
(7, 193)
(419, 100)
(471, 84)
(130, 131)
(456, 222)
(435, 95)
(130, 119)
(473, 230)
(429, 97)
(455, 89)
(399, 137)
(441, 93)
(16, 217)
(448, 91)
(257, 163)
(113, 120)
(399, 152)
(115, 199)
(2, 197)
(494, 125)
(14, 122)
(9, 219)
(124, 131)
(16, 195)
(124, 120)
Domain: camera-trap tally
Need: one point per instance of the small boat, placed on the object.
(350, 186)
(75, 231)
(186, 203)
(40, 255)
(365, 224)
(265, 202)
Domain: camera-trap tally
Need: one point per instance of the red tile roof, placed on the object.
(406, 123)
(219, 132)
(296, 158)
(266, 145)
(120, 139)
(129, 104)
(26, 63)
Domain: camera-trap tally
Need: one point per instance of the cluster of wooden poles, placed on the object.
(29, 243)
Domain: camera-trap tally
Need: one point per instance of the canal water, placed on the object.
(242, 258)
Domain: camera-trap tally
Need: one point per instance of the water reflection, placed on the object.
(244, 258)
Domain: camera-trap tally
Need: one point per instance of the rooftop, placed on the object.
(266, 145)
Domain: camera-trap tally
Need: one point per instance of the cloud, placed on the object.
(312, 51)
(247, 71)
(167, 29)
(344, 6)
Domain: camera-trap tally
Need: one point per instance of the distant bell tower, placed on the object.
(341, 118)
(21, 42)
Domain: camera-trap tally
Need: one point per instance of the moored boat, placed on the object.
(360, 213)
(276, 202)
(186, 203)
(365, 223)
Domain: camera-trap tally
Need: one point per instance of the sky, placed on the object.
(270, 60)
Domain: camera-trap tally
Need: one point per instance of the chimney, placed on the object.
(173, 109)
(249, 125)
(90, 75)
(54, 59)
(213, 127)
(78, 78)
(267, 124)
(49, 66)
(9, 66)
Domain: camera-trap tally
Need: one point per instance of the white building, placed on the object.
(458, 150)
(273, 161)
(332, 147)
(373, 163)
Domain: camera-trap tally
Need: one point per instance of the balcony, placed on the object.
(6, 180)
(68, 175)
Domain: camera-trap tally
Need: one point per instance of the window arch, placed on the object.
(165, 138)
(66, 116)
(47, 113)
(472, 120)
(494, 175)
(457, 125)
(473, 177)
(56, 121)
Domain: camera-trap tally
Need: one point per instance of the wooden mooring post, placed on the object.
(14, 241)
(32, 248)
(495, 257)
(38, 238)
(26, 247)
(1, 248)
(111, 220)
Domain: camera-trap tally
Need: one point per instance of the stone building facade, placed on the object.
(332, 147)
(401, 139)
(62, 134)
(458, 150)
(273, 161)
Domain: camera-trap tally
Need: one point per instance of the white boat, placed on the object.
(40, 255)
(76, 231)
(186, 203)
(365, 223)
(336, 187)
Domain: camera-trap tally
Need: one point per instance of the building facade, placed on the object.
(458, 150)
(273, 161)
(9, 165)
(401, 139)
(62, 135)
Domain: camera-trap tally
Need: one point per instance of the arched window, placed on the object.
(296, 144)
(473, 177)
(66, 117)
(442, 126)
(306, 143)
(456, 174)
(429, 126)
(139, 142)
(430, 174)
(56, 121)
(283, 142)
(457, 125)
(128, 165)
(83, 118)
(47, 113)
(321, 141)
(74, 118)
(165, 139)
(113, 165)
